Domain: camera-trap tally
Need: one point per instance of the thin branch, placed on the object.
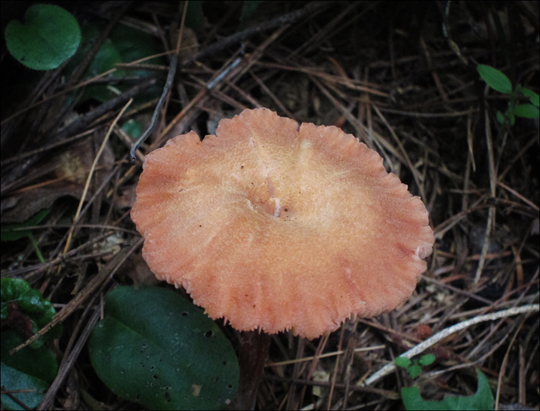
(387, 369)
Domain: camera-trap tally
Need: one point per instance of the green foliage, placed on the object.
(481, 400)
(499, 82)
(31, 310)
(24, 311)
(14, 232)
(156, 348)
(133, 128)
(29, 369)
(124, 45)
(414, 367)
(48, 36)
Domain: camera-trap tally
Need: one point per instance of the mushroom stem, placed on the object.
(252, 357)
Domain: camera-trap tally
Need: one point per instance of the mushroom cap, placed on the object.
(277, 226)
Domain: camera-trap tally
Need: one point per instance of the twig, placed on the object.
(91, 174)
(108, 270)
(387, 369)
(74, 128)
(250, 31)
(166, 90)
(69, 361)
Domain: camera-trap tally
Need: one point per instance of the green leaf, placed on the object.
(11, 232)
(402, 362)
(414, 370)
(495, 79)
(31, 304)
(133, 128)
(501, 119)
(527, 111)
(535, 98)
(48, 36)
(28, 369)
(124, 45)
(156, 348)
(427, 359)
(481, 400)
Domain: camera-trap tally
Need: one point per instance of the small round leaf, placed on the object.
(402, 362)
(48, 36)
(427, 359)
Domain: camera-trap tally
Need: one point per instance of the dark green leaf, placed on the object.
(156, 348)
(28, 369)
(495, 79)
(48, 36)
(481, 400)
(500, 118)
(124, 46)
(12, 232)
(527, 111)
(37, 309)
(133, 128)
(535, 98)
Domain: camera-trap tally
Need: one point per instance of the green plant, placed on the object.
(124, 45)
(499, 82)
(32, 369)
(414, 367)
(156, 348)
(25, 310)
(14, 232)
(481, 400)
(47, 37)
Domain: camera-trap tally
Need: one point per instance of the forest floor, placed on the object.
(400, 76)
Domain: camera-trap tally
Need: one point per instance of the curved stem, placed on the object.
(252, 357)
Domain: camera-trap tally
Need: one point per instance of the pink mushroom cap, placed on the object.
(277, 226)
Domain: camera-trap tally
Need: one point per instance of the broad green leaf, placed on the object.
(495, 78)
(527, 111)
(28, 369)
(48, 36)
(156, 348)
(481, 400)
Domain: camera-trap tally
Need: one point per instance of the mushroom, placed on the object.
(275, 226)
